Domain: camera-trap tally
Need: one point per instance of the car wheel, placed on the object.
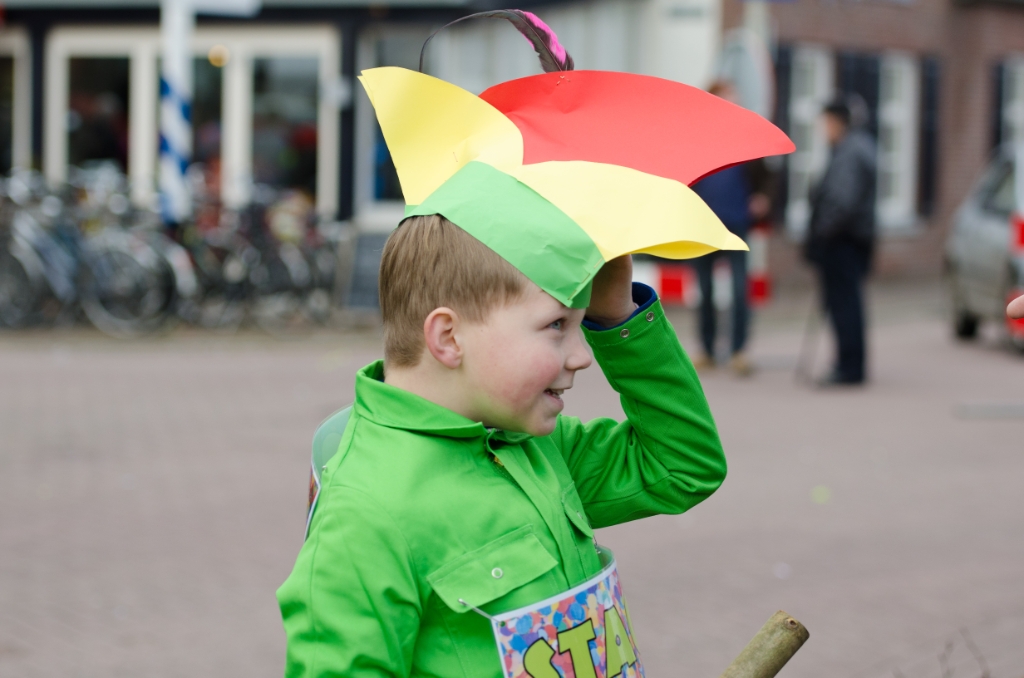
(965, 324)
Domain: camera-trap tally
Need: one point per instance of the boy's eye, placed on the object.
(558, 324)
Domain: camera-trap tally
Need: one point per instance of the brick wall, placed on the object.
(968, 40)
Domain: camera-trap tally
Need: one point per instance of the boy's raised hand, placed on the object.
(611, 298)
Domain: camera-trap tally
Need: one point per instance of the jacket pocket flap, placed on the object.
(574, 510)
(491, 571)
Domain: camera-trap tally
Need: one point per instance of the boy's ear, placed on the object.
(440, 333)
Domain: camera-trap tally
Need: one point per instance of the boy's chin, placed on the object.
(538, 422)
(540, 428)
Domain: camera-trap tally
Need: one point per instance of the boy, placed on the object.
(458, 477)
(453, 530)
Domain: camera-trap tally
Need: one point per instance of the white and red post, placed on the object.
(676, 282)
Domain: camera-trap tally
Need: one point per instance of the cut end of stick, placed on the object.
(769, 650)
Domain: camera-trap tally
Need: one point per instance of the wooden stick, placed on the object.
(773, 646)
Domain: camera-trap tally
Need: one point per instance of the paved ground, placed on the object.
(152, 498)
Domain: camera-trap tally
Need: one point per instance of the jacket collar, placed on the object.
(397, 408)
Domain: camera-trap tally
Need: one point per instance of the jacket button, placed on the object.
(497, 573)
(624, 333)
(650, 316)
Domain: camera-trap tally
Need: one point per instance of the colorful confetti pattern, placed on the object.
(568, 636)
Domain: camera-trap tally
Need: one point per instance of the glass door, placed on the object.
(284, 123)
(207, 129)
(6, 113)
(98, 109)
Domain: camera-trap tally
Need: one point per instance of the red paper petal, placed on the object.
(653, 125)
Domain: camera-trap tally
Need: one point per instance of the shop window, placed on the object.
(811, 83)
(397, 49)
(378, 192)
(6, 113)
(207, 95)
(207, 137)
(898, 138)
(97, 114)
(385, 177)
(284, 127)
(928, 155)
(256, 109)
(860, 75)
(1012, 104)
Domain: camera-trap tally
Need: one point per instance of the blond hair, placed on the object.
(429, 262)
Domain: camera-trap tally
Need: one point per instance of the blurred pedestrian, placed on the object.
(841, 237)
(738, 195)
(1016, 308)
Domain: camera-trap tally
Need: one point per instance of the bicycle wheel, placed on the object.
(19, 294)
(278, 301)
(122, 296)
(323, 262)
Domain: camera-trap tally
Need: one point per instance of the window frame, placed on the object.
(1012, 114)
(15, 43)
(141, 45)
(898, 213)
(805, 109)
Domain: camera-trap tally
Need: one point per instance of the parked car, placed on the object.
(984, 261)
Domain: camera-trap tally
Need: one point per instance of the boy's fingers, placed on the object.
(1016, 308)
(611, 299)
(618, 265)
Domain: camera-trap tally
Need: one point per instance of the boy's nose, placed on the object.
(579, 357)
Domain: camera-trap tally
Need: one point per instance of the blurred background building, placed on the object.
(944, 84)
(276, 101)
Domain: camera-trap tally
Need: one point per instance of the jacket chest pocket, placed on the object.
(491, 571)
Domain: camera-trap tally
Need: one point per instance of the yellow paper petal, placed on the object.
(626, 211)
(433, 128)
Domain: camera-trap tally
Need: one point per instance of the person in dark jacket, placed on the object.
(738, 195)
(841, 237)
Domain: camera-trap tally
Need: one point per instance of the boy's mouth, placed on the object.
(555, 393)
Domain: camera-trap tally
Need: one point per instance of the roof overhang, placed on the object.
(154, 4)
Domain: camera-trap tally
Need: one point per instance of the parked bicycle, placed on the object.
(50, 270)
(85, 249)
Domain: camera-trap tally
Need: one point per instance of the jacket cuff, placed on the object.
(644, 297)
(650, 320)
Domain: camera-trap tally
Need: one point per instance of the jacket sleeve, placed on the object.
(351, 606)
(838, 198)
(666, 457)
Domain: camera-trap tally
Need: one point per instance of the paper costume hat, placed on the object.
(563, 171)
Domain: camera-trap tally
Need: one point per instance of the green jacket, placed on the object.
(422, 507)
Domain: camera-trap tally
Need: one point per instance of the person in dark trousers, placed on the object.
(738, 195)
(841, 237)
